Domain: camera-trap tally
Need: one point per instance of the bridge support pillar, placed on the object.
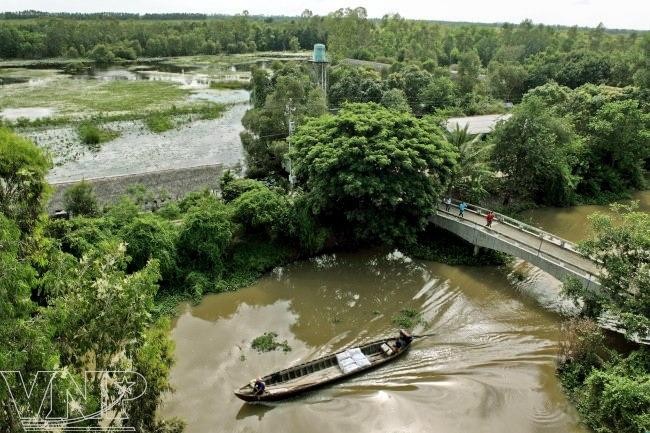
(476, 250)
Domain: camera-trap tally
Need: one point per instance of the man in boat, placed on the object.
(259, 386)
(403, 340)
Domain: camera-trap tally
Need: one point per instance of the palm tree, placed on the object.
(473, 164)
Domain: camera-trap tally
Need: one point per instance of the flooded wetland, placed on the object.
(47, 105)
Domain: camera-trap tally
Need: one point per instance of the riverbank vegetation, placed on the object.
(363, 162)
(93, 135)
(612, 390)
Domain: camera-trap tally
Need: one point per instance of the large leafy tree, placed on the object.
(536, 150)
(22, 179)
(618, 144)
(469, 67)
(622, 245)
(294, 98)
(371, 172)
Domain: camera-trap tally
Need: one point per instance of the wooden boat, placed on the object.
(324, 371)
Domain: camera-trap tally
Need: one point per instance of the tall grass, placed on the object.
(92, 135)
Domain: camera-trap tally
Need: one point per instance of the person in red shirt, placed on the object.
(489, 217)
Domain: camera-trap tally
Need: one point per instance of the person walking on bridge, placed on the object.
(489, 218)
(447, 204)
(461, 209)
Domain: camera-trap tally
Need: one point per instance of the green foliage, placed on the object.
(469, 66)
(267, 343)
(408, 318)
(617, 146)
(261, 210)
(507, 81)
(232, 188)
(233, 84)
(473, 171)
(153, 359)
(92, 135)
(254, 257)
(102, 55)
(88, 302)
(536, 150)
(305, 228)
(159, 122)
(371, 172)
(22, 179)
(80, 235)
(613, 397)
(395, 99)
(294, 96)
(151, 237)
(206, 233)
(79, 199)
(170, 211)
(354, 85)
(614, 126)
(194, 199)
(621, 245)
(122, 212)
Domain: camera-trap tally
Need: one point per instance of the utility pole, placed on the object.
(288, 111)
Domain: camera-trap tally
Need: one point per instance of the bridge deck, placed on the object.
(550, 246)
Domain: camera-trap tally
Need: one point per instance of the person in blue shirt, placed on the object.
(461, 209)
(259, 386)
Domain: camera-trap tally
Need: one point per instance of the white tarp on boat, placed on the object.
(352, 359)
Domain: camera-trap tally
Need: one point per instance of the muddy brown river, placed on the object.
(490, 368)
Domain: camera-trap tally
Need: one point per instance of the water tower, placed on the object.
(319, 60)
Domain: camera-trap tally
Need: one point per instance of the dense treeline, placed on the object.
(524, 55)
(562, 146)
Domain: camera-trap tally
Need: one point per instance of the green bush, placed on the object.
(80, 199)
(231, 188)
(170, 211)
(159, 122)
(80, 235)
(256, 257)
(616, 397)
(93, 135)
(122, 212)
(262, 211)
(205, 236)
(193, 199)
(151, 237)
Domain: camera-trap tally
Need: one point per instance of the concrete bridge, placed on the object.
(550, 253)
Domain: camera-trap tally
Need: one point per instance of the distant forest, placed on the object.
(531, 53)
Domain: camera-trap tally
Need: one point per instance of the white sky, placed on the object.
(630, 14)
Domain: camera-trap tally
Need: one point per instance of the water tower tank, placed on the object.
(319, 53)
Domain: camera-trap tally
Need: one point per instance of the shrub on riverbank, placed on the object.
(159, 122)
(93, 135)
(611, 394)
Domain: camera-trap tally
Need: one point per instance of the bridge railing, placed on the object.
(537, 251)
(527, 228)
